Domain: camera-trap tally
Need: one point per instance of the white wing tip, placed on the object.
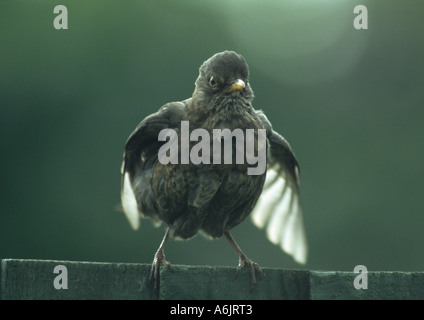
(301, 259)
(129, 203)
(278, 211)
(298, 250)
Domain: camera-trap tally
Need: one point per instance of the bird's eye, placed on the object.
(212, 82)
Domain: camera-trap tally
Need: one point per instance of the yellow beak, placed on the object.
(237, 85)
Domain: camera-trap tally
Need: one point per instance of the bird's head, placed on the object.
(223, 77)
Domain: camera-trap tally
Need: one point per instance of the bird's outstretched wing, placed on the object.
(140, 153)
(278, 208)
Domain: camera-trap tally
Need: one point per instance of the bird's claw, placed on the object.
(252, 266)
(158, 261)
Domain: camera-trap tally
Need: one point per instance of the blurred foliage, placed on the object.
(349, 101)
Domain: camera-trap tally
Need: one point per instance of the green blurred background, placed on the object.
(349, 101)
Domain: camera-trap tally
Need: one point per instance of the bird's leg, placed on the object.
(244, 261)
(159, 260)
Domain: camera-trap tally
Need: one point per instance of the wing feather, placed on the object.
(140, 153)
(278, 209)
(129, 202)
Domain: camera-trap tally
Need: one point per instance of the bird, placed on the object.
(212, 197)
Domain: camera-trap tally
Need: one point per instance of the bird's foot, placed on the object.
(158, 261)
(252, 266)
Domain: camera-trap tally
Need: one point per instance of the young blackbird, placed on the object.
(213, 198)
